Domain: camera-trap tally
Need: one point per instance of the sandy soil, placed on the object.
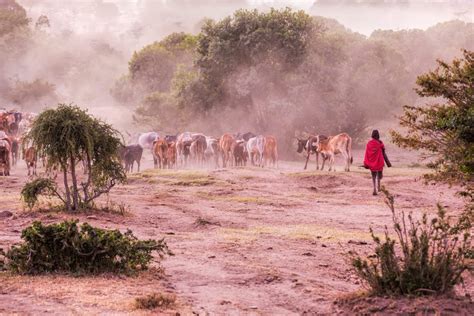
(247, 241)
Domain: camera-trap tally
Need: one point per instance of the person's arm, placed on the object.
(385, 157)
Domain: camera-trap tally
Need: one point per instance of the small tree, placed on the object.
(445, 132)
(67, 135)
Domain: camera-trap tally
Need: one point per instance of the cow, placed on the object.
(270, 151)
(171, 155)
(160, 153)
(244, 136)
(14, 149)
(239, 150)
(5, 152)
(183, 144)
(333, 145)
(212, 150)
(198, 147)
(171, 138)
(145, 140)
(225, 146)
(30, 156)
(310, 146)
(255, 148)
(130, 154)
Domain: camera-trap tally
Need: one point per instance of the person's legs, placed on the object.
(374, 176)
(379, 177)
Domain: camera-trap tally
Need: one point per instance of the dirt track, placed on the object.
(246, 240)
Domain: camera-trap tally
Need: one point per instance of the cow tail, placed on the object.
(349, 149)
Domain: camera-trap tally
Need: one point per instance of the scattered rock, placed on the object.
(309, 254)
(169, 233)
(211, 257)
(253, 307)
(91, 217)
(5, 214)
(357, 242)
(224, 302)
(323, 265)
(270, 248)
(324, 246)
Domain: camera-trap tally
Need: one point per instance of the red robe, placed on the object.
(374, 155)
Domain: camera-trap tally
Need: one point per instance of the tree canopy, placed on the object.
(444, 131)
(67, 135)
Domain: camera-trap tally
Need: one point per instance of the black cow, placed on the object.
(129, 154)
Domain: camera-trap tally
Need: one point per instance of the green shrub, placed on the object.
(33, 189)
(154, 300)
(64, 247)
(432, 255)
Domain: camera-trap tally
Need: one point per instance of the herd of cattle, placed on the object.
(172, 151)
(13, 125)
(182, 150)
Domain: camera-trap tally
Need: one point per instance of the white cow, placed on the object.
(145, 140)
(255, 148)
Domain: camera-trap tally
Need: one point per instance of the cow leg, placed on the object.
(307, 159)
(317, 161)
(138, 164)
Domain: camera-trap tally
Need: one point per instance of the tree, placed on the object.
(67, 135)
(12, 17)
(154, 65)
(445, 132)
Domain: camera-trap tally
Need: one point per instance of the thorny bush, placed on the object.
(66, 247)
(432, 260)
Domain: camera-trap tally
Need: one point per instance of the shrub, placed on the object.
(33, 189)
(64, 247)
(432, 255)
(154, 300)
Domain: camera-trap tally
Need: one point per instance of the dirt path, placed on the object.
(246, 240)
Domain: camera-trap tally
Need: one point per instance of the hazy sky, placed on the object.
(161, 16)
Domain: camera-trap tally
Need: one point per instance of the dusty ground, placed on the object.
(246, 241)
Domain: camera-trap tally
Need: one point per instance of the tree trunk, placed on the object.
(66, 188)
(75, 191)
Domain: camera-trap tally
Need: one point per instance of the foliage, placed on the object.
(432, 255)
(155, 300)
(154, 65)
(444, 131)
(66, 247)
(39, 186)
(12, 17)
(30, 93)
(67, 135)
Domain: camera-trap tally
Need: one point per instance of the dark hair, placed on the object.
(375, 134)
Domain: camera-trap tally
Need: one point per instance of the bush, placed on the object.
(154, 300)
(63, 247)
(432, 258)
(33, 189)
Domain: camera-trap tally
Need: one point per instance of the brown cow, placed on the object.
(239, 150)
(5, 157)
(334, 145)
(160, 151)
(30, 157)
(171, 155)
(270, 151)
(198, 148)
(225, 144)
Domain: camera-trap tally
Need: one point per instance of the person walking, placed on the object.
(375, 158)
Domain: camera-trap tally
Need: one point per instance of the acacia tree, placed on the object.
(67, 135)
(445, 132)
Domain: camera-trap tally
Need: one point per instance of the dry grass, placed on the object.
(155, 300)
(303, 231)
